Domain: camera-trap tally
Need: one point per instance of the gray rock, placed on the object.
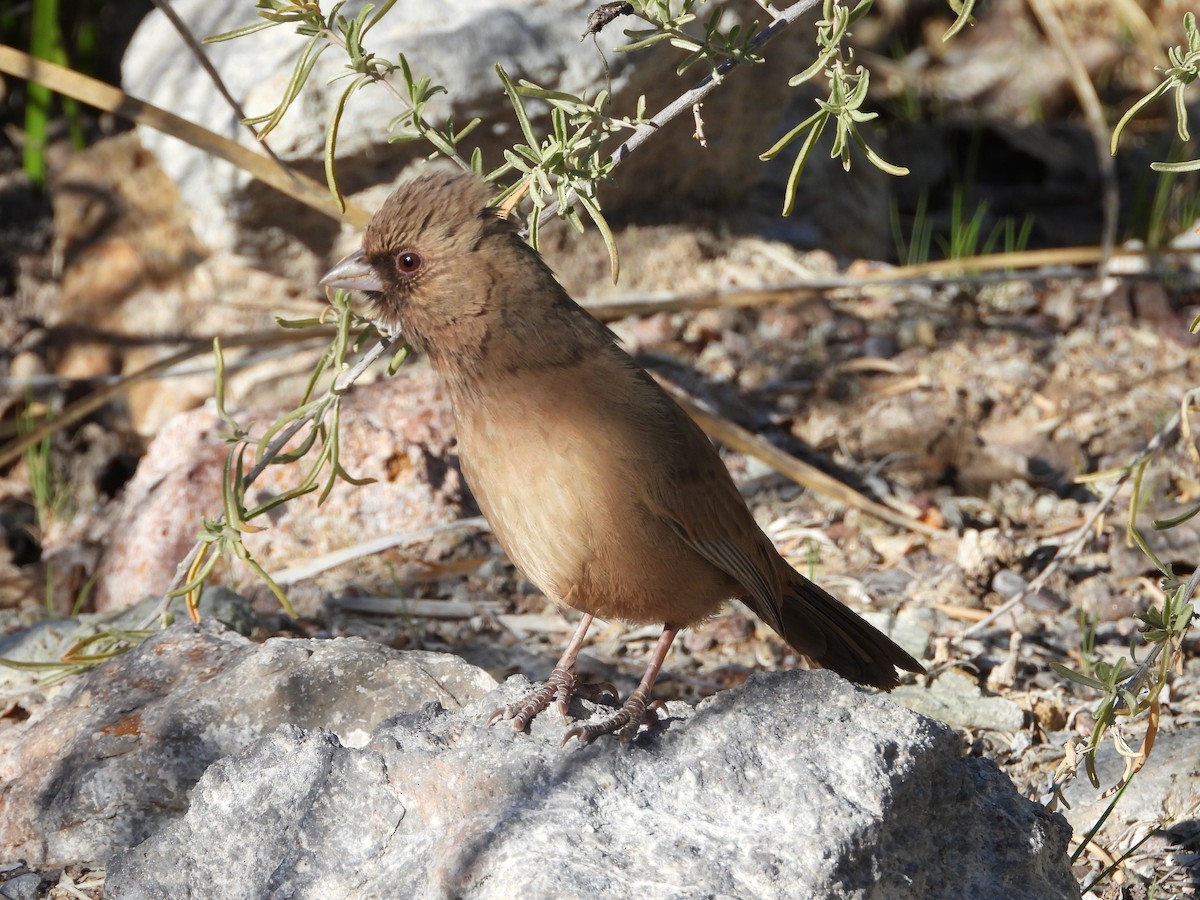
(113, 757)
(27, 886)
(957, 700)
(457, 45)
(793, 785)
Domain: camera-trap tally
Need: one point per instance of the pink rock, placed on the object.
(398, 432)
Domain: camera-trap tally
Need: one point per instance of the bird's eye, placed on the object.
(409, 263)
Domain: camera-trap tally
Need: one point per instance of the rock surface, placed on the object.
(793, 785)
(200, 764)
(109, 760)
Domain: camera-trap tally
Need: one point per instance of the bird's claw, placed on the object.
(624, 723)
(559, 689)
(561, 684)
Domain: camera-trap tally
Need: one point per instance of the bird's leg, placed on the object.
(626, 721)
(561, 685)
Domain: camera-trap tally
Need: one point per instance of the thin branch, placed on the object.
(1055, 263)
(1134, 684)
(85, 406)
(340, 384)
(105, 97)
(1047, 261)
(335, 558)
(197, 50)
(384, 82)
(797, 470)
(687, 100)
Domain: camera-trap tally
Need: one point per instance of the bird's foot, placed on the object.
(625, 722)
(559, 688)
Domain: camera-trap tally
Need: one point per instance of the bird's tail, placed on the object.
(819, 626)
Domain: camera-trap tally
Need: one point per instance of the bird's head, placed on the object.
(440, 264)
(423, 264)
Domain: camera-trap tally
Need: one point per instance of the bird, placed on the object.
(598, 486)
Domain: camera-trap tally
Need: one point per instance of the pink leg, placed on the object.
(561, 685)
(629, 717)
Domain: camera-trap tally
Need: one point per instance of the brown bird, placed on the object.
(597, 485)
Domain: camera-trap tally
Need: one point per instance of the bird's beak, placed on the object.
(353, 273)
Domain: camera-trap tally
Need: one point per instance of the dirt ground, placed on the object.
(973, 406)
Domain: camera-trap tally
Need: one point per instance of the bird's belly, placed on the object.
(561, 504)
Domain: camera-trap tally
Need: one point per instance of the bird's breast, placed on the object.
(556, 464)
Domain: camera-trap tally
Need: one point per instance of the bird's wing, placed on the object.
(704, 508)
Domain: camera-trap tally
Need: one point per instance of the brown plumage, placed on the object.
(599, 487)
